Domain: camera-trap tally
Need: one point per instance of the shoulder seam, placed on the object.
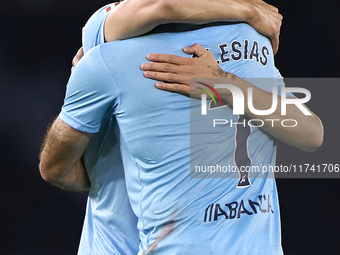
(112, 78)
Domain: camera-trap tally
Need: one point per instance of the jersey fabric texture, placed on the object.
(110, 226)
(178, 214)
(93, 32)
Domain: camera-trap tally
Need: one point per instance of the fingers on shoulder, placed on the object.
(173, 87)
(195, 49)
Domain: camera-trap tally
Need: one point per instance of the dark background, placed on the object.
(38, 42)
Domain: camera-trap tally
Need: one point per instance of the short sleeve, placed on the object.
(91, 94)
(281, 84)
(279, 80)
(93, 33)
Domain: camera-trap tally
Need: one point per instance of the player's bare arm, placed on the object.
(60, 158)
(177, 71)
(136, 17)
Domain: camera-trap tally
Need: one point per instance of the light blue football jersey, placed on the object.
(93, 31)
(178, 214)
(110, 226)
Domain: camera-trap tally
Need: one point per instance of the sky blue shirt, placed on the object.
(178, 214)
(110, 226)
